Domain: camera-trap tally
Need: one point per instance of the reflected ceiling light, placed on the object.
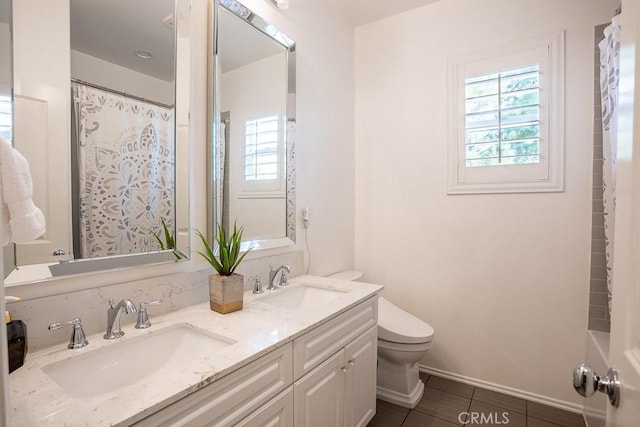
(168, 21)
(281, 4)
(143, 54)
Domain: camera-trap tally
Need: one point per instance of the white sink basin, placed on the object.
(306, 294)
(163, 355)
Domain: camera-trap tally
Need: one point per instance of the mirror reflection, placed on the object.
(95, 115)
(256, 81)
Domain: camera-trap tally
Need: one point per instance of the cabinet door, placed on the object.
(361, 358)
(320, 343)
(278, 412)
(319, 396)
(232, 397)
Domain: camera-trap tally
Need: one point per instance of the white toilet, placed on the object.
(403, 340)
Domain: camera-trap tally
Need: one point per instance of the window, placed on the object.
(261, 157)
(5, 117)
(261, 149)
(506, 119)
(502, 118)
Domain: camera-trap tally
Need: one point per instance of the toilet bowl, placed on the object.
(403, 340)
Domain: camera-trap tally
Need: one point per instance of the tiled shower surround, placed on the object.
(598, 311)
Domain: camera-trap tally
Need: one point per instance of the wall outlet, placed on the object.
(306, 214)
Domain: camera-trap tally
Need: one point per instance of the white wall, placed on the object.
(103, 73)
(42, 117)
(325, 127)
(325, 155)
(258, 88)
(5, 66)
(503, 279)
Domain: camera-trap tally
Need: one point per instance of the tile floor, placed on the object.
(444, 400)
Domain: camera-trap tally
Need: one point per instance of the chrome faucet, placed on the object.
(113, 317)
(284, 269)
(78, 339)
(257, 284)
(143, 317)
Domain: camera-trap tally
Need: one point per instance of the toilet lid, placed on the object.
(396, 325)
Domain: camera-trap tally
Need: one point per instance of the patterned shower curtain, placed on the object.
(126, 172)
(609, 76)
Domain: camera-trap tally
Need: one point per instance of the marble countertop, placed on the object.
(258, 328)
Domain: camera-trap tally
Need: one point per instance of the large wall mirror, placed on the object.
(101, 97)
(254, 124)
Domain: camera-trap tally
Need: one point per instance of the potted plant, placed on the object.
(168, 243)
(226, 287)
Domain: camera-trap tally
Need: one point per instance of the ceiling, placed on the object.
(360, 12)
(240, 44)
(114, 30)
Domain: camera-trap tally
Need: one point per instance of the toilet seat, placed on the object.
(402, 347)
(397, 326)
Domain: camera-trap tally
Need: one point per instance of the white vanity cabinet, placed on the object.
(334, 366)
(342, 390)
(360, 388)
(231, 398)
(324, 377)
(278, 412)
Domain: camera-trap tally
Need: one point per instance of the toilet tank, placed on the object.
(352, 276)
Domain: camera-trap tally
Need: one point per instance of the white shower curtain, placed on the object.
(609, 76)
(126, 161)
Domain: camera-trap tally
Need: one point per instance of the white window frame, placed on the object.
(6, 100)
(264, 188)
(548, 174)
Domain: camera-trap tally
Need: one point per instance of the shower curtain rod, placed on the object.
(117, 92)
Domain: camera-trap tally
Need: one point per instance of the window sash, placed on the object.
(6, 118)
(503, 119)
(480, 116)
(261, 149)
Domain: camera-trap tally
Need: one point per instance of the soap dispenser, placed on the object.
(16, 338)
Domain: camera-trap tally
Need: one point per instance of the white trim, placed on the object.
(550, 174)
(544, 400)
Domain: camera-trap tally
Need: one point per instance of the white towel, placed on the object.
(22, 221)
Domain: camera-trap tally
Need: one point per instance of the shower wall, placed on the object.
(598, 311)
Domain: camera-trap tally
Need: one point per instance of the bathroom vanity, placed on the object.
(304, 355)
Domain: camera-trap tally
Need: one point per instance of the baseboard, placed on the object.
(544, 400)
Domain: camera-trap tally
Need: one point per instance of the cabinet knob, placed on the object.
(352, 362)
(343, 369)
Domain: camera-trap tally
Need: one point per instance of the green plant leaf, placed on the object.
(159, 240)
(168, 237)
(229, 245)
(209, 256)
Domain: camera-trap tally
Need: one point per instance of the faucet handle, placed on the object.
(286, 268)
(257, 284)
(143, 317)
(78, 338)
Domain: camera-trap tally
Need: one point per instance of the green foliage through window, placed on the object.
(502, 117)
